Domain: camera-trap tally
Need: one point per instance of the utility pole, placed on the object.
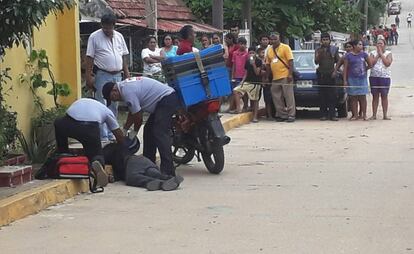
(247, 17)
(151, 15)
(218, 14)
(366, 16)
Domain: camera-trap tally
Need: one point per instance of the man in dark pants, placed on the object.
(81, 122)
(144, 94)
(327, 57)
(137, 170)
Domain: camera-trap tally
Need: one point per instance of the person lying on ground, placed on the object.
(137, 170)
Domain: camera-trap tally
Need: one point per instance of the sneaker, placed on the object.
(290, 119)
(335, 119)
(170, 184)
(154, 185)
(100, 174)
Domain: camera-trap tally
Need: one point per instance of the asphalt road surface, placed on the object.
(304, 187)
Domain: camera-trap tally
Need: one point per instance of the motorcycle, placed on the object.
(199, 133)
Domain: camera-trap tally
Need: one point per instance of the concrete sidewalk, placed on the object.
(37, 195)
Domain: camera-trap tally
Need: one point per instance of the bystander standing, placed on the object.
(356, 65)
(279, 62)
(327, 56)
(168, 49)
(107, 58)
(380, 78)
(205, 41)
(151, 58)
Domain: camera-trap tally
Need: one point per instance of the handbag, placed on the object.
(295, 73)
(68, 166)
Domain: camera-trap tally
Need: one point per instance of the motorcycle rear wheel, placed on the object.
(214, 161)
(182, 159)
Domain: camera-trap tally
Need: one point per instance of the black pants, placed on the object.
(138, 176)
(157, 133)
(327, 95)
(87, 133)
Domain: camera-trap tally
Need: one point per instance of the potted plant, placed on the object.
(8, 123)
(39, 75)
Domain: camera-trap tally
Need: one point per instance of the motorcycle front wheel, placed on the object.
(182, 155)
(214, 161)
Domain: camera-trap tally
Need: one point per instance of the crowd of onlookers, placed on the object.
(267, 71)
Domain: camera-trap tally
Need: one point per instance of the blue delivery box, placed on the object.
(198, 76)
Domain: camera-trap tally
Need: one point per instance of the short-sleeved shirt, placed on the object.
(279, 70)
(106, 53)
(143, 94)
(379, 70)
(172, 52)
(151, 68)
(251, 74)
(185, 46)
(357, 65)
(328, 56)
(239, 61)
(231, 50)
(91, 110)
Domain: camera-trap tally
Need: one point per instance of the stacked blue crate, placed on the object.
(184, 76)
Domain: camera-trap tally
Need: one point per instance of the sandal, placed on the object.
(353, 119)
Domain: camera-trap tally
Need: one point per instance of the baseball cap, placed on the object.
(106, 92)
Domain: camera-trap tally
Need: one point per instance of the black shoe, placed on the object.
(290, 119)
(154, 185)
(170, 185)
(335, 119)
(280, 119)
(324, 118)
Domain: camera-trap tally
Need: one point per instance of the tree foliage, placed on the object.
(296, 18)
(18, 17)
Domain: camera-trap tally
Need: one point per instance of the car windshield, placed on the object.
(304, 60)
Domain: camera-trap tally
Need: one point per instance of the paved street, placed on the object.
(306, 187)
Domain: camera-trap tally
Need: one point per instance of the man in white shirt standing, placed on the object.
(106, 56)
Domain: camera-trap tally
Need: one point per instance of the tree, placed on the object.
(290, 18)
(18, 17)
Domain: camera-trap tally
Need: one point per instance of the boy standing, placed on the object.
(250, 83)
(238, 72)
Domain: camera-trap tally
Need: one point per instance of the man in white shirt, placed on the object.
(82, 121)
(144, 94)
(106, 56)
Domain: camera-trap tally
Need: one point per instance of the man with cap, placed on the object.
(81, 122)
(144, 94)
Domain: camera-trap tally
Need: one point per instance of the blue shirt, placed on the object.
(172, 52)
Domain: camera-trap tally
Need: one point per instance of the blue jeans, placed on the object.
(101, 78)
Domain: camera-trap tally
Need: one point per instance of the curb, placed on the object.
(33, 201)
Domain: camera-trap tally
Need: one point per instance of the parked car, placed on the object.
(394, 8)
(306, 89)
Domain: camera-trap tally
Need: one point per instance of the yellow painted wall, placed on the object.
(59, 36)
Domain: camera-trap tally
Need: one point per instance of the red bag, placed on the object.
(76, 167)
